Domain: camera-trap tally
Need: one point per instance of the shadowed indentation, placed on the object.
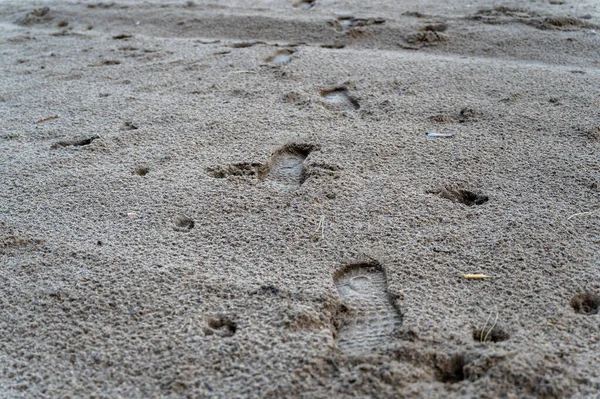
(285, 167)
(462, 196)
(220, 325)
(493, 334)
(236, 169)
(347, 23)
(141, 171)
(451, 369)
(505, 15)
(183, 224)
(586, 303)
(338, 99)
(74, 142)
(36, 16)
(305, 4)
(280, 58)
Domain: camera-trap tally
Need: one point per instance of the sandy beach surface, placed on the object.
(281, 199)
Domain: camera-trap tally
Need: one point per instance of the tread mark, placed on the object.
(285, 167)
(370, 317)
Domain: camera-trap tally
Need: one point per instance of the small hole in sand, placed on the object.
(183, 224)
(451, 370)
(462, 196)
(586, 303)
(220, 325)
(141, 171)
(495, 334)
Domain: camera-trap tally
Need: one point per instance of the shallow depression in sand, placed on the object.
(304, 4)
(285, 168)
(281, 58)
(370, 318)
(339, 100)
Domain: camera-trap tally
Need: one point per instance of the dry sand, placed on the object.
(238, 199)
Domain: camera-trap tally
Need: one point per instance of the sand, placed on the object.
(238, 199)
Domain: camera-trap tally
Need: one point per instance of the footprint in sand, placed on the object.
(369, 318)
(347, 23)
(280, 58)
(284, 169)
(305, 4)
(37, 16)
(338, 99)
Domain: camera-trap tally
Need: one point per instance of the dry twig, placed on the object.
(47, 118)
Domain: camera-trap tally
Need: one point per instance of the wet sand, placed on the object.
(240, 199)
